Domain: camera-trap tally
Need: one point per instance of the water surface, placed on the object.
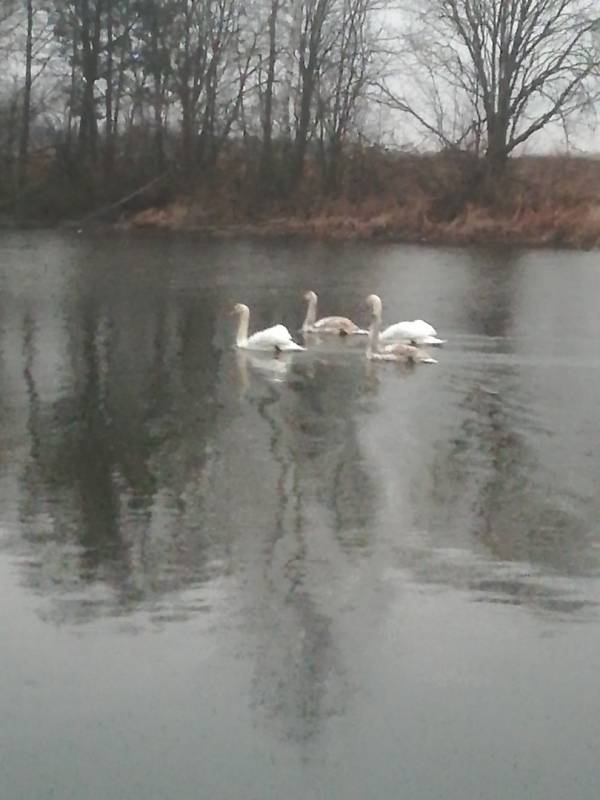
(228, 576)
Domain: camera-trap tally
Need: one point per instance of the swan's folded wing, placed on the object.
(335, 325)
(411, 330)
(424, 328)
(399, 331)
(277, 336)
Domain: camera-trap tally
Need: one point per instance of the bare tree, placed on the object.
(267, 115)
(343, 78)
(153, 30)
(205, 57)
(26, 105)
(79, 26)
(510, 67)
(311, 48)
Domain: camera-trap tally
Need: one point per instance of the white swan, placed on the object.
(403, 353)
(416, 330)
(340, 325)
(277, 338)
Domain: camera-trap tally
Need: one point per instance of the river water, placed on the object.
(226, 576)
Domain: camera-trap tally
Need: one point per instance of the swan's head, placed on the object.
(310, 297)
(240, 308)
(374, 303)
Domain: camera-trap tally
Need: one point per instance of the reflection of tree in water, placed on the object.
(490, 489)
(146, 473)
(494, 290)
(105, 488)
(488, 493)
(297, 664)
(313, 437)
(313, 485)
(329, 454)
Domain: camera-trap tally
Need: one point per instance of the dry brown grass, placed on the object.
(541, 201)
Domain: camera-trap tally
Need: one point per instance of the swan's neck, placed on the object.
(373, 343)
(242, 332)
(311, 314)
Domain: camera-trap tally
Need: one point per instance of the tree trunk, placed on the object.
(301, 141)
(90, 43)
(158, 99)
(187, 135)
(120, 84)
(266, 167)
(26, 110)
(496, 155)
(309, 73)
(206, 141)
(72, 88)
(159, 137)
(108, 127)
(187, 106)
(496, 145)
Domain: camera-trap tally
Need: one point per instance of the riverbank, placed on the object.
(540, 202)
(577, 229)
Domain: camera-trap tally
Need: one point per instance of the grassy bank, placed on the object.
(540, 201)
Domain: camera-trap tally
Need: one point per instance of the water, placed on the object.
(227, 576)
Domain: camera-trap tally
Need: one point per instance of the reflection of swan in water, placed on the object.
(404, 353)
(342, 326)
(372, 374)
(275, 339)
(272, 369)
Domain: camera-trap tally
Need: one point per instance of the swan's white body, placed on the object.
(277, 338)
(342, 326)
(416, 330)
(399, 352)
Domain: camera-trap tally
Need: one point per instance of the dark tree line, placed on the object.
(140, 87)
(173, 81)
